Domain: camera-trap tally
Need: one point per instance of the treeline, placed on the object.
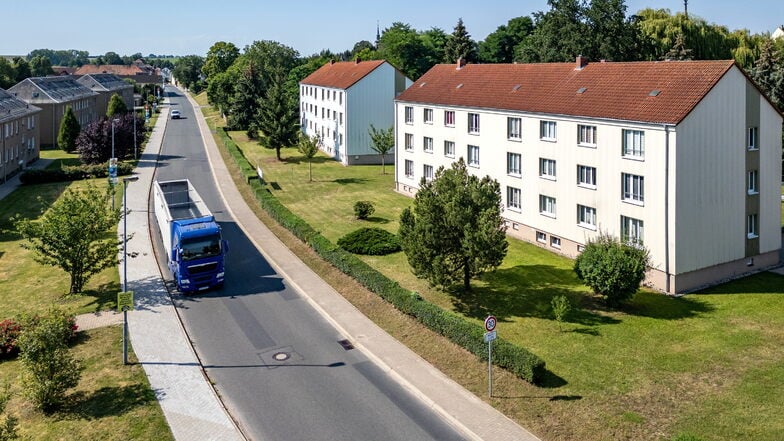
(237, 81)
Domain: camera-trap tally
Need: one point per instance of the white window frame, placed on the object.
(752, 185)
(547, 169)
(555, 242)
(409, 115)
(633, 144)
(548, 130)
(586, 176)
(427, 144)
(586, 217)
(632, 230)
(428, 172)
(752, 226)
(514, 128)
(752, 138)
(473, 123)
(633, 189)
(514, 197)
(473, 155)
(514, 164)
(541, 237)
(449, 118)
(547, 206)
(409, 168)
(428, 116)
(586, 135)
(449, 149)
(409, 142)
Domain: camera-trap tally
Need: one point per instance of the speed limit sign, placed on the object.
(490, 323)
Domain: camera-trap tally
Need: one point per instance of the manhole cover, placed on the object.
(281, 356)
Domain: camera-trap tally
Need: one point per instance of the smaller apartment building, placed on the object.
(107, 85)
(682, 157)
(341, 100)
(19, 144)
(53, 95)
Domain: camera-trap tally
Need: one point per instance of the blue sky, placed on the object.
(191, 27)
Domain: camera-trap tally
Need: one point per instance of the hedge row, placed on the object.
(72, 173)
(456, 328)
(247, 170)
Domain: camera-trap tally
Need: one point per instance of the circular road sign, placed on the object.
(490, 323)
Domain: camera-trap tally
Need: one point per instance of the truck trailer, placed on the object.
(192, 239)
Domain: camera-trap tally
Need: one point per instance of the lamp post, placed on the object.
(126, 180)
(113, 162)
(134, 133)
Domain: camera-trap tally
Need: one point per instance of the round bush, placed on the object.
(370, 241)
(363, 209)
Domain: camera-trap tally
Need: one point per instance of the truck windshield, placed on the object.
(201, 247)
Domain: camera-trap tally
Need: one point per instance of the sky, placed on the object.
(192, 26)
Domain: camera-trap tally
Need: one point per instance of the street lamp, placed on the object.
(113, 165)
(126, 180)
(134, 132)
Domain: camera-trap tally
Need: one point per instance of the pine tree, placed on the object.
(116, 106)
(460, 45)
(277, 119)
(69, 131)
(679, 50)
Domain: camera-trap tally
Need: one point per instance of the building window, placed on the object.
(586, 217)
(514, 164)
(409, 168)
(513, 196)
(752, 226)
(633, 188)
(514, 128)
(547, 130)
(409, 142)
(634, 144)
(473, 123)
(428, 116)
(753, 138)
(555, 242)
(631, 230)
(586, 135)
(586, 176)
(541, 237)
(449, 118)
(753, 182)
(449, 149)
(547, 168)
(428, 144)
(427, 172)
(547, 205)
(409, 115)
(341, 118)
(473, 155)
(340, 98)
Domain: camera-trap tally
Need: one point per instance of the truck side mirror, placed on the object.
(225, 246)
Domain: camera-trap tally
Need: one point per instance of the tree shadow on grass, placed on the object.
(104, 297)
(373, 219)
(296, 160)
(347, 181)
(664, 307)
(108, 401)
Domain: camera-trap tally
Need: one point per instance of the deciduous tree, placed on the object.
(116, 106)
(308, 146)
(220, 57)
(383, 142)
(454, 231)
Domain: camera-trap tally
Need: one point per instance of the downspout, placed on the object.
(667, 207)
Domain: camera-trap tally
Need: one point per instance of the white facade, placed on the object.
(342, 117)
(682, 189)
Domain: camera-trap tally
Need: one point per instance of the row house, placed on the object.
(106, 85)
(53, 95)
(19, 145)
(340, 101)
(683, 157)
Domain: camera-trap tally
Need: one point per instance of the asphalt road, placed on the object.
(277, 364)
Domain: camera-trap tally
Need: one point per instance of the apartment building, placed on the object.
(19, 139)
(106, 85)
(340, 101)
(683, 157)
(53, 95)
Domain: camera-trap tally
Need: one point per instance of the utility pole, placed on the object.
(686, 8)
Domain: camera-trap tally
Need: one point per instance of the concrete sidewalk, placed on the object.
(10, 185)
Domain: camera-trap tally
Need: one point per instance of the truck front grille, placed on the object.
(205, 268)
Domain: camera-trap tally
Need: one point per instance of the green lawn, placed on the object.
(112, 401)
(710, 364)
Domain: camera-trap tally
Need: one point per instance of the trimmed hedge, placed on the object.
(72, 173)
(247, 170)
(456, 328)
(370, 241)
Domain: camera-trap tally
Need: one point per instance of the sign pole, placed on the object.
(125, 336)
(490, 369)
(124, 303)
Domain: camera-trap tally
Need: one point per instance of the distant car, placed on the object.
(175, 114)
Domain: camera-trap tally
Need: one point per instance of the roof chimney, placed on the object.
(331, 62)
(357, 60)
(581, 62)
(461, 62)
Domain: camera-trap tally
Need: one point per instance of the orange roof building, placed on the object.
(683, 157)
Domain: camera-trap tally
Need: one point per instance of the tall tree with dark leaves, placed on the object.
(40, 67)
(454, 231)
(245, 104)
(460, 45)
(21, 69)
(188, 72)
(613, 35)
(402, 47)
(69, 131)
(559, 34)
(278, 119)
(7, 74)
(679, 50)
(500, 45)
(220, 57)
(768, 73)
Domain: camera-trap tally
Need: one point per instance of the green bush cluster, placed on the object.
(363, 209)
(247, 170)
(370, 241)
(73, 173)
(459, 330)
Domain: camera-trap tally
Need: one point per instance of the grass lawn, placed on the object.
(112, 401)
(708, 364)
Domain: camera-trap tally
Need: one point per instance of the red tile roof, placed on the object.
(621, 91)
(341, 75)
(117, 69)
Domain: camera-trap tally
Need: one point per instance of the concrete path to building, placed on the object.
(11, 184)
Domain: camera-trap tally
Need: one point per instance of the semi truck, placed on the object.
(192, 239)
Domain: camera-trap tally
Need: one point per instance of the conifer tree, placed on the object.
(69, 131)
(460, 45)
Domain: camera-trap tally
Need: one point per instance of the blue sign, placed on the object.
(113, 170)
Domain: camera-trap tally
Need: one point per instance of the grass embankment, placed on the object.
(112, 401)
(709, 364)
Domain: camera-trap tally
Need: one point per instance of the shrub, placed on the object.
(48, 368)
(612, 268)
(370, 241)
(73, 173)
(9, 332)
(8, 423)
(561, 307)
(363, 209)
